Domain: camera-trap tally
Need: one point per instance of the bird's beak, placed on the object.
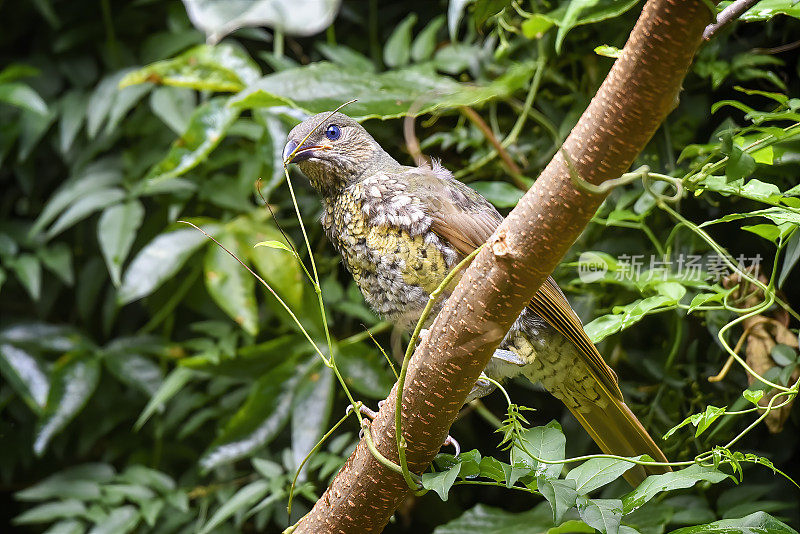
(293, 154)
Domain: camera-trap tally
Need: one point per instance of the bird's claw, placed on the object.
(422, 335)
(365, 411)
(372, 414)
(450, 440)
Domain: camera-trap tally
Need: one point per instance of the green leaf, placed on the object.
(753, 189)
(95, 177)
(150, 511)
(274, 244)
(268, 470)
(119, 521)
(766, 9)
(239, 502)
(170, 387)
(311, 411)
(365, 370)
(58, 259)
(441, 481)
(174, 106)
(73, 114)
(116, 231)
(346, 57)
(223, 68)
(535, 26)
(608, 51)
(207, 127)
(29, 273)
(755, 523)
(545, 442)
(258, 421)
(135, 370)
(470, 463)
(677, 427)
(603, 514)
(672, 290)
(493, 468)
(72, 382)
(740, 163)
(783, 355)
(45, 513)
(790, 258)
(705, 419)
(488, 520)
(101, 102)
(770, 232)
(118, 493)
(625, 316)
(561, 495)
(32, 127)
(21, 95)
(704, 298)
(753, 395)
(18, 71)
(230, 285)
(700, 420)
(43, 337)
(145, 476)
(397, 50)
(24, 374)
(56, 486)
(575, 14)
(484, 9)
(252, 360)
(83, 207)
(323, 86)
(66, 526)
(501, 194)
(124, 101)
(158, 261)
(655, 484)
(424, 44)
(597, 472)
(283, 273)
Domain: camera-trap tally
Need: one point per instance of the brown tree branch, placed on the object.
(476, 119)
(636, 96)
(726, 16)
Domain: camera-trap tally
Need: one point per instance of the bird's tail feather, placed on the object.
(617, 431)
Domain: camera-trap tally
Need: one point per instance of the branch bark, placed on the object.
(727, 16)
(638, 93)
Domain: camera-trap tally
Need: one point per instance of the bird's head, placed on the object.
(334, 151)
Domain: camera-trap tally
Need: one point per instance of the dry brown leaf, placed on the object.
(763, 332)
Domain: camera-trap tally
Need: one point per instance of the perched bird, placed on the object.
(400, 230)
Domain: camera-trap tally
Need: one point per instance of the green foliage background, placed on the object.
(151, 384)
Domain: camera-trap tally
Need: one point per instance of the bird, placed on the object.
(400, 229)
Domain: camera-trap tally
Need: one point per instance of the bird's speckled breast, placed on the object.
(395, 265)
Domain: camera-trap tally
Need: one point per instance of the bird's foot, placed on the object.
(372, 414)
(366, 411)
(503, 363)
(481, 388)
(450, 440)
(422, 335)
(507, 356)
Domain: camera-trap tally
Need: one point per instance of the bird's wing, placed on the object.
(466, 220)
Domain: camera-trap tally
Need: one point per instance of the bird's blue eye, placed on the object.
(333, 132)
